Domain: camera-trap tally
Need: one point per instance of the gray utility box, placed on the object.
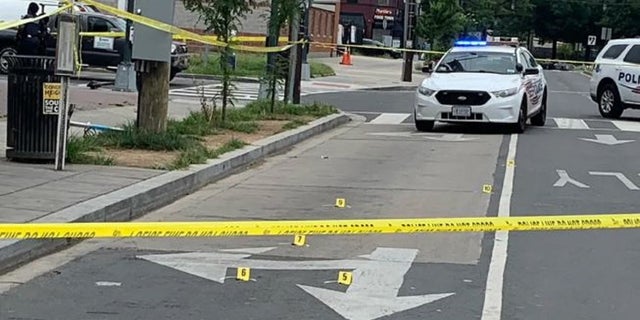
(149, 43)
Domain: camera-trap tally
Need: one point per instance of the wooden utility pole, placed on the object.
(153, 97)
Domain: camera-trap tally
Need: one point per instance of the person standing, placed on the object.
(30, 36)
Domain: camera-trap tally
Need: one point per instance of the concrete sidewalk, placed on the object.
(31, 193)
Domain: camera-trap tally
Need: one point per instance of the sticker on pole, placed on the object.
(51, 96)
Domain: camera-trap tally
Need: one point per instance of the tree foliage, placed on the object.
(222, 17)
(440, 22)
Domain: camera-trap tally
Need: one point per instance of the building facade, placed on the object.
(373, 18)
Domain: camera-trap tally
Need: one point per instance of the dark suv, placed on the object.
(96, 51)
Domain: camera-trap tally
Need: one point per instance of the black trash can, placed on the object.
(31, 126)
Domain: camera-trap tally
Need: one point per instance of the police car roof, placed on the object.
(623, 41)
(487, 48)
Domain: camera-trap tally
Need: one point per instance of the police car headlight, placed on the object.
(426, 91)
(173, 48)
(505, 93)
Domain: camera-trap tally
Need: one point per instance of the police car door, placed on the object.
(531, 83)
(628, 76)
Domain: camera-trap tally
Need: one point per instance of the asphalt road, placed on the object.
(383, 169)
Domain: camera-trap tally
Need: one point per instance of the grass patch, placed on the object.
(248, 65)
(86, 151)
(294, 124)
(194, 139)
(229, 146)
(319, 70)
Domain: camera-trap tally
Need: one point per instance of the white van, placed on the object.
(615, 80)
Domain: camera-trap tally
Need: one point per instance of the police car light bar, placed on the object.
(468, 43)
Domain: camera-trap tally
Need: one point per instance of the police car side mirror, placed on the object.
(519, 67)
(427, 69)
(531, 71)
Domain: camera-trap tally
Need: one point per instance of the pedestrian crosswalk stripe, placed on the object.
(390, 118)
(567, 123)
(377, 118)
(627, 125)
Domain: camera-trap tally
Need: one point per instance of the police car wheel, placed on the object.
(4, 64)
(540, 118)
(609, 103)
(521, 125)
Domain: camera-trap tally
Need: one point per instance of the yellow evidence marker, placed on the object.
(345, 277)
(243, 274)
(511, 163)
(299, 240)
(341, 202)
(487, 188)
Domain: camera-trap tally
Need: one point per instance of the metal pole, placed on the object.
(306, 69)
(406, 76)
(61, 142)
(295, 28)
(126, 74)
(273, 35)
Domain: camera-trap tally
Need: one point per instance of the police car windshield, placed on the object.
(481, 62)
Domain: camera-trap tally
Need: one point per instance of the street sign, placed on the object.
(591, 40)
(51, 96)
(374, 283)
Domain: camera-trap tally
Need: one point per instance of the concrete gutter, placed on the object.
(138, 199)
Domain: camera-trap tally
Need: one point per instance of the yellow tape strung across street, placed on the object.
(318, 227)
(184, 34)
(17, 23)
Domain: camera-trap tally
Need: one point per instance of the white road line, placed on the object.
(390, 118)
(627, 125)
(567, 123)
(492, 308)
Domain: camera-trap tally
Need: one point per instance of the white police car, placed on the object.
(478, 82)
(615, 80)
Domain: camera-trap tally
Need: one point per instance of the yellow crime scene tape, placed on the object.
(17, 23)
(184, 34)
(314, 227)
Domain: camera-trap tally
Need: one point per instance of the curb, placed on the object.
(138, 199)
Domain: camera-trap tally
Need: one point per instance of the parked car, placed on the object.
(100, 52)
(378, 52)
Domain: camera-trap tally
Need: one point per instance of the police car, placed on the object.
(615, 80)
(483, 82)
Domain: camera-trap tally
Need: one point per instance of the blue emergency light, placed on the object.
(469, 43)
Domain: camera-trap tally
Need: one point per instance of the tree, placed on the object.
(281, 13)
(570, 21)
(622, 17)
(222, 17)
(440, 22)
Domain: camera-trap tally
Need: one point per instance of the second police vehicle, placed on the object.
(483, 82)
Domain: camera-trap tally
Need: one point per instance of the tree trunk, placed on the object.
(554, 49)
(153, 98)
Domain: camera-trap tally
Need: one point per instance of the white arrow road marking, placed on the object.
(618, 175)
(390, 134)
(566, 123)
(374, 292)
(390, 118)
(451, 138)
(564, 179)
(606, 139)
